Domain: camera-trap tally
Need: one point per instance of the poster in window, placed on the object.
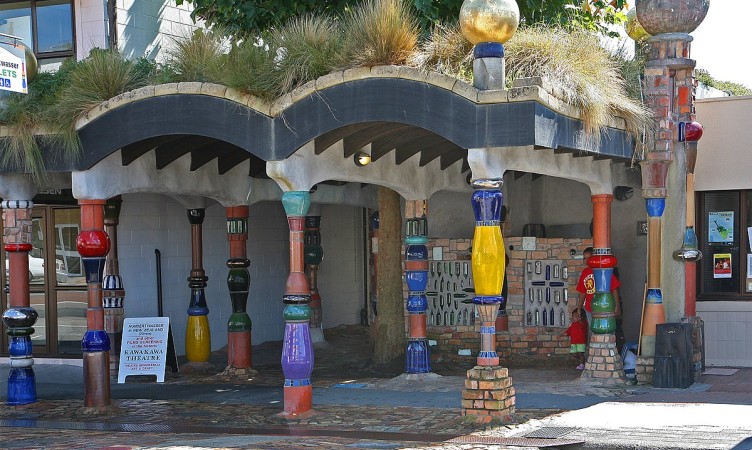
(749, 266)
(722, 265)
(721, 227)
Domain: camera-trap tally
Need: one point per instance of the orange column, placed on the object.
(602, 262)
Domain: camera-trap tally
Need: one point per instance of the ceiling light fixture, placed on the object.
(362, 159)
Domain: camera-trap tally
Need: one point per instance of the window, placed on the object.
(46, 26)
(722, 222)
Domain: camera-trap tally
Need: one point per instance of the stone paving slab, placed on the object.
(419, 423)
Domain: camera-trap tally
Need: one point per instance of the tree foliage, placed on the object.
(704, 77)
(247, 17)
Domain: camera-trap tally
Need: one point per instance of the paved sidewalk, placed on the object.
(356, 406)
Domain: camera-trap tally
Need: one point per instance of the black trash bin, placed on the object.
(673, 366)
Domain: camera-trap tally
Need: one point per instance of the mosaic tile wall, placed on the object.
(520, 340)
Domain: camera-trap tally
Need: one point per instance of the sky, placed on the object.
(720, 42)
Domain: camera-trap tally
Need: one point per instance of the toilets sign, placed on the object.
(144, 348)
(12, 72)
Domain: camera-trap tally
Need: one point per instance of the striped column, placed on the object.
(602, 262)
(603, 362)
(417, 355)
(488, 263)
(297, 349)
(20, 317)
(238, 281)
(197, 333)
(113, 292)
(93, 244)
(654, 313)
(314, 254)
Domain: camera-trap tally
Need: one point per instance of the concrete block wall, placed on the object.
(150, 221)
(91, 26)
(728, 333)
(147, 27)
(143, 27)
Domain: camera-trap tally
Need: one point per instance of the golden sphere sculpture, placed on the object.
(489, 20)
(634, 28)
(32, 66)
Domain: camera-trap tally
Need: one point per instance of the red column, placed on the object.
(93, 244)
(20, 317)
(238, 282)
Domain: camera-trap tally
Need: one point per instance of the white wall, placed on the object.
(90, 25)
(150, 221)
(143, 27)
(146, 27)
(723, 153)
(728, 333)
(341, 283)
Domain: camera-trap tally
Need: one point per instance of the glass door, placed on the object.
(68, 288)
(37, 285)
(57, 286)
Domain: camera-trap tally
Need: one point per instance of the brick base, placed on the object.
(603, 360)
(644, 370)
(488, 394)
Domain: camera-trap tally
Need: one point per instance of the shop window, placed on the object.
(46, 26)
(723, 223)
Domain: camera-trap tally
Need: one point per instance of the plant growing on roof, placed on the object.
(585, 74)
(48, 114)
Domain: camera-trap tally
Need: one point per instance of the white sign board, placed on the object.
(12, 72)
(144, 347)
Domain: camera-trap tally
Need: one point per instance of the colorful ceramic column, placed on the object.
(654, 313)
(689, 253)
(670, 95)
(113, 293)
(297, 349)
(314, 254)
(417, 356)
(93, 244)
(602, 262)
(603, 359)
(197, 333)
(20, 317)
(488, 24)
(488, 263)
(238, 281)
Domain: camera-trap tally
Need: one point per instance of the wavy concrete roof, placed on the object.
(411, 107)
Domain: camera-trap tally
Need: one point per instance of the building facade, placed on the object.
(724, 293)
(213, 181)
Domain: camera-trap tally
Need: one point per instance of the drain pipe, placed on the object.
(158, 256)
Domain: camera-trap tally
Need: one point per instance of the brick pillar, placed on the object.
(238, 281)
(603, 360)
(197, 333)
(417, 355)
(20, 317)
(669, 94)
(93, 244)
(297, 349)
(314, 254)
(113, 293)
(488, 380)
